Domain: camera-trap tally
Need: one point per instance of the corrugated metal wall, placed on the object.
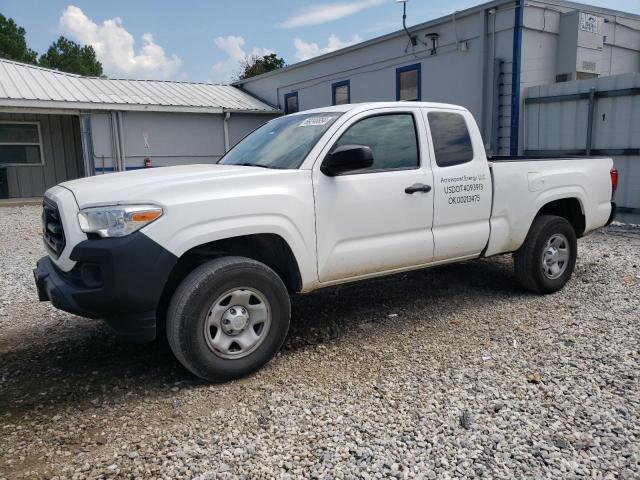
(61, 152)
(557, 123)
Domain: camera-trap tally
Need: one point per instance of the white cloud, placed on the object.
(305, 50)
(232, 46)
(114, 47)
(317, 14)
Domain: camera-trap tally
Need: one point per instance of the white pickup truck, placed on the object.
(209, 254)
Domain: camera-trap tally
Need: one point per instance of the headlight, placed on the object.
(117, 220)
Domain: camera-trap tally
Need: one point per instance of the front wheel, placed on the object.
(545, 262)
(228, 318)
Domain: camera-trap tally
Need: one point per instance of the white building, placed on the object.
(485, 58)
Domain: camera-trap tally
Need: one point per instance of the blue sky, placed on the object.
(203, 40)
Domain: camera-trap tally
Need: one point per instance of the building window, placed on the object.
(408, 83)
(291, 103)
(341, 92)
(20, 144)
(451, 139)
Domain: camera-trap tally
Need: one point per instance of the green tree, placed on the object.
(68, 56)
(255, 65)
(13, 45)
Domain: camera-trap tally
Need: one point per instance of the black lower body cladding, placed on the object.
(117, 279)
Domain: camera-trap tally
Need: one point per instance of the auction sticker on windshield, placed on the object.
(315, 121)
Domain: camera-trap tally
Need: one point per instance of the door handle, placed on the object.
(417, 187)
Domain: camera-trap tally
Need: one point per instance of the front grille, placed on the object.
(52, 230)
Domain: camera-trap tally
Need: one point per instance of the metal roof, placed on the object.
(28, 86)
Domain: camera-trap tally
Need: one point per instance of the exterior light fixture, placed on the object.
(434, 42)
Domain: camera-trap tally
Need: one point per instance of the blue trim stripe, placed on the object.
(409, 68)
(287, 96)
(515, 80)
(335, 85)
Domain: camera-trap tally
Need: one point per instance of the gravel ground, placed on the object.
(452, 372)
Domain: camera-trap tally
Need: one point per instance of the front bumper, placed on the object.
(120, 280)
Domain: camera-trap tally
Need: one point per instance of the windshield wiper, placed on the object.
(247, 164)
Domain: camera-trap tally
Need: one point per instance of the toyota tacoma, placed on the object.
(209, 255)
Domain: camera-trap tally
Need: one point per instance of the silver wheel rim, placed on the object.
(237, 323)
(555, 256)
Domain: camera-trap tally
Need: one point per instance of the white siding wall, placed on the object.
(169, 138)
(452, 75)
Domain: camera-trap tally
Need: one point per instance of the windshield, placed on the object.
(281, 143)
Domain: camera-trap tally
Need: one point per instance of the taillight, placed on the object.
(614, 181)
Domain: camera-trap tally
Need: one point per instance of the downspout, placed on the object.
(115, 143)
(515, 78)
(496, 66)
(485, 73)
(123, 157)
(225, 128)
(455, 30)
(87, 144)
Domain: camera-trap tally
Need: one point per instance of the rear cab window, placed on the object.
(451, 138)
(461, 179)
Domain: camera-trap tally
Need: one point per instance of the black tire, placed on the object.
(189, 309)
(528, 259)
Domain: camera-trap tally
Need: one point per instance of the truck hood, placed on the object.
(150, 185)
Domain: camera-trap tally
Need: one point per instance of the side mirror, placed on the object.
(347, 158)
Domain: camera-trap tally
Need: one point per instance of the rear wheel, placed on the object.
(228, 318)
(545, 261)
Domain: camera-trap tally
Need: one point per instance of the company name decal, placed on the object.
(463, 189)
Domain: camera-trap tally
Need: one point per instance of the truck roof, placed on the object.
(368, 105)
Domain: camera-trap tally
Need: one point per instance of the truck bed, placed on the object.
(523, 184)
